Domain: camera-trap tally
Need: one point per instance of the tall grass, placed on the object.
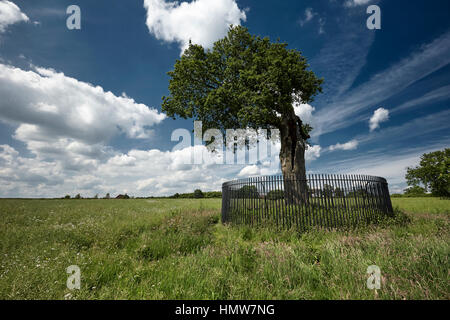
(178, 249)
(423, 205)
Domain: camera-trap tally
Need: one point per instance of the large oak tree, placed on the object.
(246, 81)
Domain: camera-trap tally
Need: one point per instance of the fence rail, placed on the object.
(320, 200)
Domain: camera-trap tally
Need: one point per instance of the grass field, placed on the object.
(178, 249)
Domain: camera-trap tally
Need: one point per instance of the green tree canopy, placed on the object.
(246, 81)
(198, 193)
(250, 192)
(243, 81)
(432, 172)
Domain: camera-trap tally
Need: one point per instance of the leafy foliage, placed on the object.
(198, 194)
(209, 194)
(432, 173)
(249, 192)
(244, 81)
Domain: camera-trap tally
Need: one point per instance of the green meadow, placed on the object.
(178, 249)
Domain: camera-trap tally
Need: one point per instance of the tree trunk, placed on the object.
(292, 160)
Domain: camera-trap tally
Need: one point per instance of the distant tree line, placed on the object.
(197, 194)
(107, 196)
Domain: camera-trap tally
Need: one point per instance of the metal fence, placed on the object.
(322, 200)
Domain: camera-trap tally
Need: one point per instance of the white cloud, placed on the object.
(67, 166)
(304, 111)
(66, 125)
(137, 172)
(201, 21)
(380, 115)
(308, 16)
(49, 106)
(9, 14)
(351, 145)
(354, 3)
(419, 127)
(312, 153)
(248, 171)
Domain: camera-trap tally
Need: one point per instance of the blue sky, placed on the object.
(80, 110)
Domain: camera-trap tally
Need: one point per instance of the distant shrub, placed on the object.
(213, 194)
(415, 191)
(210, 194)
(78, 196)
(198, 194)
(67, 196)
(249, 192)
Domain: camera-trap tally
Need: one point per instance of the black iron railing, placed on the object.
(322, 200)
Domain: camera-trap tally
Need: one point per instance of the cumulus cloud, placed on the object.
(201, 21)
(9, 14)
(66, 125)
(304, 111)
(50, 106)
(137, 172)
(249, 171)
(78, 169)
(351, 145)
(380, 115)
